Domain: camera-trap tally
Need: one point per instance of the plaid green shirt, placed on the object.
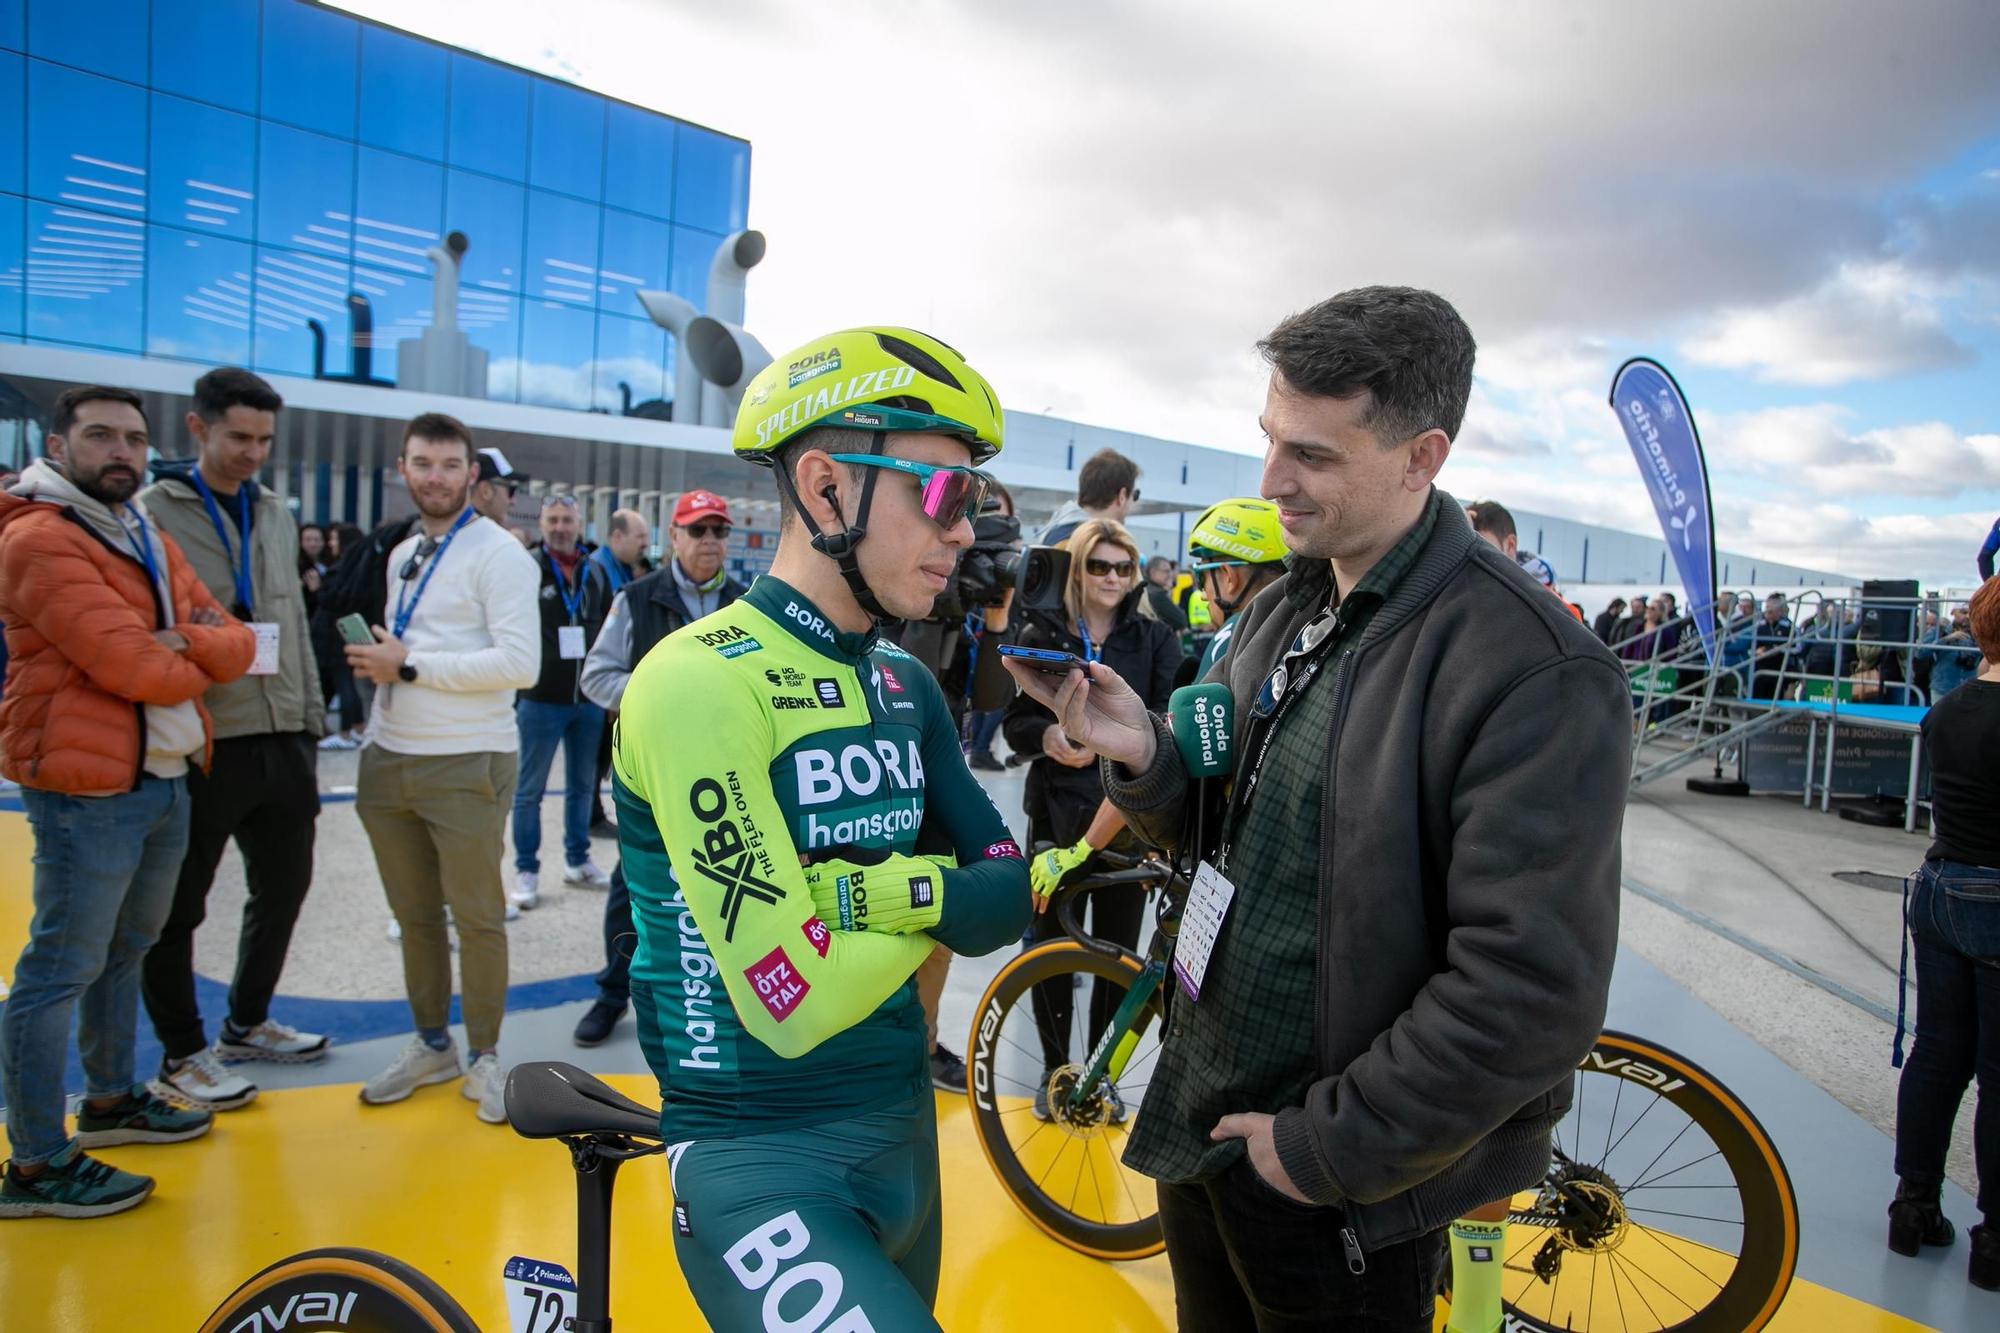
(1247, 1045)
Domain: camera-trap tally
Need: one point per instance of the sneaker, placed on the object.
(396, 927)
(141, 1118)
(947, 1070)
(486, 1083)
(595, 1026)
(508, 913)
(589, 875)
(417, 1065)
(1117, 1104)
(527, 889)
(338, 742)
(602, 825)
(1042, 1111)
(75, 1185)
(983, 759)
(203, 1081)
(273, 1041)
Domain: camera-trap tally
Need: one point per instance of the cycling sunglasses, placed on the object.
(1097, 569)
(947, 494)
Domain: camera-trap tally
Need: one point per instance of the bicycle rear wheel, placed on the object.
(340, 1286)
(1066, 1173)
(1666, 1207)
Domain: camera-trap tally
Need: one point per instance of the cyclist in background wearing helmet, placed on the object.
(799, 829)
(1234, 552)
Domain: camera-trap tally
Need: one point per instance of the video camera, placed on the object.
(996, 562)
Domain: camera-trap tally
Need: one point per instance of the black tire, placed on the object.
(1735, 1219)
(346, 1288)
(1001, 1111)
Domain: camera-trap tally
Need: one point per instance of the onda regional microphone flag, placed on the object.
(1661, 431)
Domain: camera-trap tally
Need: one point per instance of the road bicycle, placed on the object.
(1666, 1205)
(355, 1288)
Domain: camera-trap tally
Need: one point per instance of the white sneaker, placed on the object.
(395, 929)
(273, 1041)
(204, 1084)
(527, 891)
(416, 1066)
(486, 1083)
(589, 875)
(511, 913)
(336, 741)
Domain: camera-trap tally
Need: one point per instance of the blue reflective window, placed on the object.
(207, 50)
(13, 111)
(493, 322)
(13, 264)
(489, 118)
(556, 343)
(291, 291)
(198, 294)
(639, 161)
(631, 367)
(13, 24)
(107, 35)
(305, 191)
(398, 201)
(491, 213)
(693, 250)
(309, 58)
(562, 249)
(568, 146)
(711, 180)
(637, 252)
(86, 141)
(84, 286)
(402, 93)
(203, 163)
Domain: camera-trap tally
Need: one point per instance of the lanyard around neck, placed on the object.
(571, 603)
(405, 613)
(241, 559)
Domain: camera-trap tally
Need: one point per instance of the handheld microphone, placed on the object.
(1202, 719)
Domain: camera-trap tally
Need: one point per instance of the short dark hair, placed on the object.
(1102, 476)
(1491, 517)
(1407, 348)
(438, 426)
(63, 420)
(620, 522)
(232, 386)
(826, 439)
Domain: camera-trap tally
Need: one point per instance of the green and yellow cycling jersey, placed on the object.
(745, 742)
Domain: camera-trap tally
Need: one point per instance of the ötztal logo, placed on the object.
(777, 983)
(726, 855)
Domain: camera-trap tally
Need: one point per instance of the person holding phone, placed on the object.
(1105, 617)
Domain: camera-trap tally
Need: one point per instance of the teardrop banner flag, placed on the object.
(1661, 431)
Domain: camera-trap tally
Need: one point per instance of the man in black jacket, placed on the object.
(576, 594)
(690, 585)
(1431, 761)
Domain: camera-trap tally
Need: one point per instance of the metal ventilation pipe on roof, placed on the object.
(729, 359)
(674, 313)
(728, 270)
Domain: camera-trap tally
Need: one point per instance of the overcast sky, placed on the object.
(1795, 206)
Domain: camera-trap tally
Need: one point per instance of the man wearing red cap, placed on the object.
(691, 585)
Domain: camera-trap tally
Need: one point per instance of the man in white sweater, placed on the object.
(437, 776)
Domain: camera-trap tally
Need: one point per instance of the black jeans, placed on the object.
(264, 792)
(1246, 1257)
(614, 983)
(1955, 926)
(1112, 914)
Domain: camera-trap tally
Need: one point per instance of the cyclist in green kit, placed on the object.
(799, 828)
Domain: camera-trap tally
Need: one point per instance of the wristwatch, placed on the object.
(406, 671)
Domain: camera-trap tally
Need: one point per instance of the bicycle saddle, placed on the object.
(551, 1099)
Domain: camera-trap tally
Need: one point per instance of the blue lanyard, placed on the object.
(570, 604)
(243, 585)
(1090, 652)
(142, 546)
(404, 613)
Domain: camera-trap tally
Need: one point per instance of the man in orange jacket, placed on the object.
(113, 640)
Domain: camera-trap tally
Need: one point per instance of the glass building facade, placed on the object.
(255, 182)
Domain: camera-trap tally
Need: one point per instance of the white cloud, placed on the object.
(1867, 321)
(1812, 449)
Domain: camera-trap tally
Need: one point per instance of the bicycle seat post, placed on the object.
(596, 1173)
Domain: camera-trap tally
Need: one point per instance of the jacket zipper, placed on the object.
(1357, 1263)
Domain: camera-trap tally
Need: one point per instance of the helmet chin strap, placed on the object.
(840, 546)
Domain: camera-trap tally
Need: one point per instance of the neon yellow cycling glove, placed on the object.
(1050, 868)
(899, 895)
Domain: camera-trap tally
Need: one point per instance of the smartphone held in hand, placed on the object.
(1045, 659)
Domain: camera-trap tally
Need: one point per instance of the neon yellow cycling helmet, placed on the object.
(1242, 531)
(877, 379)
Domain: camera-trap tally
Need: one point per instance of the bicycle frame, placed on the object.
(1121, 1036)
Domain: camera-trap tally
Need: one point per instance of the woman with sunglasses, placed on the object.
(1105, 617)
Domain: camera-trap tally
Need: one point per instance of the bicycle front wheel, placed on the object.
(1666, 1206)
(1062, 1161)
